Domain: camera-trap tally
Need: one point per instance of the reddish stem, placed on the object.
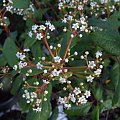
(69, 43)
(47, 45)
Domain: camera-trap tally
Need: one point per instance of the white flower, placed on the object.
(67, 106)
(45, 71)
(55, 72)
(45, 92)
(38, 109)
(80, 7)
(22, 64)
(80, 35)
(62, 80)
(98, 54)
(87, 94)
(47, 23)
(75, 26)
(20, 56)
(39, 66)
(72, 97)
(82, 100)
(75, 53)
(30, 34)
(59, 45)
(33, 95)
(72, 36)
(82, 28)
(64, 20)
(57, 59)
(28, 101)
(51, 27)
(65, 29)
(61, 100)
(101, 66)
(89, 78)
(87, 53)
(34, 27)
(26, 50)
(82, 57)
(46, 82)
(70, 17)
(77, 90)
(9, 8)
(98, 72)
(66, 60)
(91, 64)
(42, 27)
(43, 58)
(51, 47)
(30, 71)
(39, 36)
(65, 70)
(36, 83)
(60, 5)
(45, 99)
(15, 67)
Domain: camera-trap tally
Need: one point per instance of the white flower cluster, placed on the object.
(33, 99)
(94, 67)
(21, 56)
(30, 96)
(76, 16)
(79, 5)
(23, 12)
(79, 25)
(37, 30)
(5, 69)
(77, 97)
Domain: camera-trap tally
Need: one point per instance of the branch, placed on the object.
(47, 45)
(69, 43)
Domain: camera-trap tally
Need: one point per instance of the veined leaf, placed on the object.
(79, 110)
(115, 76)
(108, 42)
(22, 4)
(9, 51)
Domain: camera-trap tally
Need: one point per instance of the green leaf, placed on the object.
(9, 51)
(106, 105)
(98, 93)
(16, 84)
(43, 115)
(115, 76)
(22, 4)
(29, 42)
(7, 83)
(111, 24)
(110, 43)
(36, 51)
(95, 113)
(3, 61)
(38, 14)
(23, 105)
(79, 110)
(46, 108)
(54, 114)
